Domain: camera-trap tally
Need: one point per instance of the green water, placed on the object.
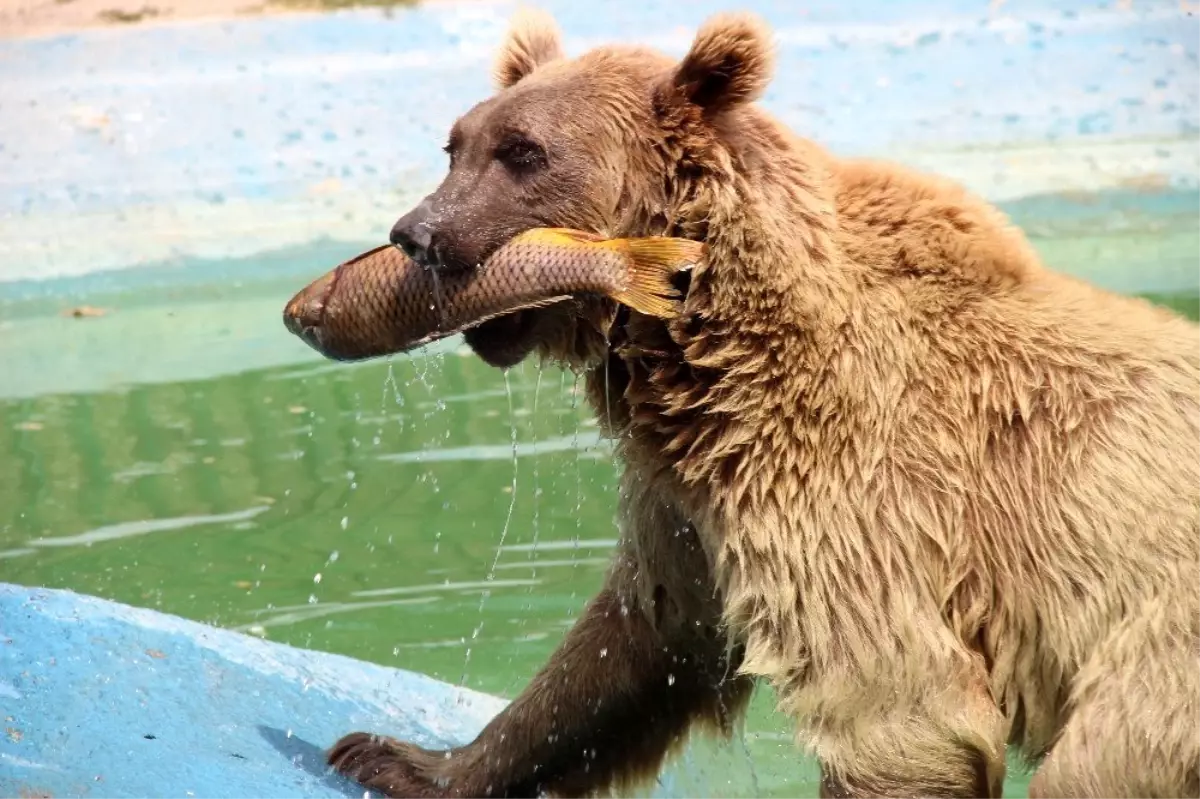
(183, 453)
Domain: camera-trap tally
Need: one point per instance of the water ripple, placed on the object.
(311, 612)
(551, 546)
(494, 452)
(459, 586)
(113, 532)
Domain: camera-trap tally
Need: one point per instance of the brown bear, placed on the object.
(940, 498)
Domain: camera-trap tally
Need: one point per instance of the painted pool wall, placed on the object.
(101, 699)
(157, 144)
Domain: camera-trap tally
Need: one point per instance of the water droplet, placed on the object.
(312, 599)
(345, 522)
(604, 652)
(512, 489)
(670, 679)
(317, 578)
(333, 556)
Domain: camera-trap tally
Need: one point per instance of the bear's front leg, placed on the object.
(604, 712)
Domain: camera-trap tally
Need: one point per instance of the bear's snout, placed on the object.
(414, 233)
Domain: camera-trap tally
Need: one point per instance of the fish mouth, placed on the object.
(304, 315)
(310, 335)
(293, 320)
(299, 324)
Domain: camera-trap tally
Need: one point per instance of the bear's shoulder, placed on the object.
(900, 221)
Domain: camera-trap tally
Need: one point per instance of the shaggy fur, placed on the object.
(939, 497)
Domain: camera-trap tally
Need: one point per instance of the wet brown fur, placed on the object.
(939, 497)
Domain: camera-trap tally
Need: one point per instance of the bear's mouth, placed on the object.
(682, 281)
(563, 331)
(504, 341)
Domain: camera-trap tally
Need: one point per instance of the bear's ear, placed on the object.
(533, 39)
(730, 63)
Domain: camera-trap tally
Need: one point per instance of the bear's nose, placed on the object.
(413, 234)
(413, 239)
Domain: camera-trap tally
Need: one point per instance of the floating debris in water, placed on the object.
(85, 311)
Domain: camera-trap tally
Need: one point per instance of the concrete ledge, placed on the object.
(102, 699)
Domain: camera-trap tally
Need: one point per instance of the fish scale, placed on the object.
(382, 302)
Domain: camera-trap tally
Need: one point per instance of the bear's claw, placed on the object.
(385, 764)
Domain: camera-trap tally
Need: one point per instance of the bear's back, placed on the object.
(1058, 423)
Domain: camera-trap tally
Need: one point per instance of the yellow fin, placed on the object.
(653, 261)
(556, 236)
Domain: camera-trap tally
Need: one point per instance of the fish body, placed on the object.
(382, 302)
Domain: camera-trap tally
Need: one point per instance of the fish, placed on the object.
(381, 302)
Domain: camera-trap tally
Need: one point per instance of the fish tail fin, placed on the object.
(653, 262)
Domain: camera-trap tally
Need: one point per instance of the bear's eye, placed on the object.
(520, 154)
(449, 147)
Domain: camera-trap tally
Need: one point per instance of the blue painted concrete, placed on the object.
(100, 699)
(106, 700)
(225, 138)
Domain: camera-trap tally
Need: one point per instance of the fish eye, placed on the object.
(520, 154)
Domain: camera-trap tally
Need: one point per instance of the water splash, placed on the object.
(425, 370)
(578, 483)
(390, 384)
(610, 430)
(740, 735)
(537, 488)
(491, 573)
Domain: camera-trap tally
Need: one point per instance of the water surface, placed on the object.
(183, 452)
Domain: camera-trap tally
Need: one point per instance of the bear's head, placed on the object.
(613, 142)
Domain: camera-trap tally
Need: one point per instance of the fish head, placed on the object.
(305, 312)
